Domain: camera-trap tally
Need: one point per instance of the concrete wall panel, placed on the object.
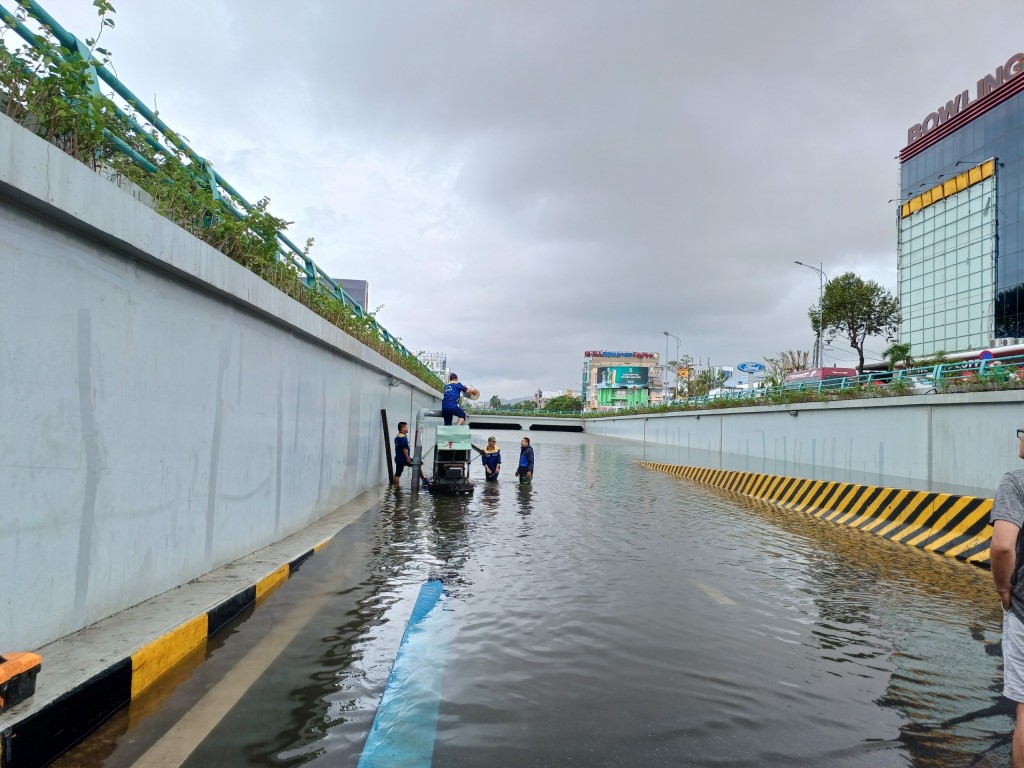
(163, 410)
(953, 442)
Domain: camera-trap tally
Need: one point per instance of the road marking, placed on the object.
(175, 746)
(715, 594)
(405, 726)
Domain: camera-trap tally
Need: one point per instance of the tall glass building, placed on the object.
(961, 220)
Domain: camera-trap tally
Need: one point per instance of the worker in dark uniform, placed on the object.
(525, 470)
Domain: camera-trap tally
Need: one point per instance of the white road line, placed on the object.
(714, 593)
(175, 746)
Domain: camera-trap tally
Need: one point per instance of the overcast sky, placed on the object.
(523, 181)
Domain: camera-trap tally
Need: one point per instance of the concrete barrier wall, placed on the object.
(961, 442)
(163, 411)
(951, 525)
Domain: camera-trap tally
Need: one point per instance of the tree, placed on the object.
(564, 403)
(854, 308)
(708, 379)
(896, 354)
(784, 362)
(495, 402)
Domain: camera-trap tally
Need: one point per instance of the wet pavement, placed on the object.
(604, 616)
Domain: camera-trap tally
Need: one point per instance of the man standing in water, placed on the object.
(525, 470)
(1007, 560)
(491, 459)
(402, 457)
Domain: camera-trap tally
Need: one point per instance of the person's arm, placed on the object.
(1007, 518)
(1003, 558)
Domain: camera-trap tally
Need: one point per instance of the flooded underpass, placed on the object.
(606, 615)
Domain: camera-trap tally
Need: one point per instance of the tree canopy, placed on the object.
(708, 379)
(853, 308)
(564, 403)
(896, 354)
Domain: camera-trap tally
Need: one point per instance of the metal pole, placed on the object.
(822, 279)
(417, 454)
(387, 444)
(821, 309)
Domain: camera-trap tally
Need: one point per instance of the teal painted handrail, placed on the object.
(1006, 369)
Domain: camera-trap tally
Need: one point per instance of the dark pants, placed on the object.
(448, 415)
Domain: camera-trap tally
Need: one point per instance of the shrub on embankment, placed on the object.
(54, 92)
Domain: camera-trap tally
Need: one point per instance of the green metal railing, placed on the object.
(947, 376)
(288, 253)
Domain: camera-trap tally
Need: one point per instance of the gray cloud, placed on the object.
(523, 181)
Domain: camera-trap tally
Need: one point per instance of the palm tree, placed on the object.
(898, 353)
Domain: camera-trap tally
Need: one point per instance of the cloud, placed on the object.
(523, 181)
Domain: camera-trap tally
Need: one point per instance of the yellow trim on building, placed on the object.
(958, 183)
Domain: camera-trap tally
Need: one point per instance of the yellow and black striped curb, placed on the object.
(955, 526)
(59, 725)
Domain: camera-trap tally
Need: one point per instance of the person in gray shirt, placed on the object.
(1006, 557)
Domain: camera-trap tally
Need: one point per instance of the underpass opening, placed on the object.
(556, 428)
(493, 425)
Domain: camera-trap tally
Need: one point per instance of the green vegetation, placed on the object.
(855, 308)
(53, 92)
(898, 354)
(705, 381)
(564, 403)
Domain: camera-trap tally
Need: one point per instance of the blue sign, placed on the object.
(751, 367)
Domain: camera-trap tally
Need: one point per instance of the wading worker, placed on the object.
(1007, 562)
(491, 459)
(525, 470)
(402, 457)
(450, 401)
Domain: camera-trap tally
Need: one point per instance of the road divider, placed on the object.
(951, 525)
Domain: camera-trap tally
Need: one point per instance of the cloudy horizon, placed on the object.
(523, 182)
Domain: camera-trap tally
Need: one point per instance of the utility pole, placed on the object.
(822, 279)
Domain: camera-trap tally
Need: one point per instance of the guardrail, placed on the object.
(165, 142)
(965, 375)
(951, 376)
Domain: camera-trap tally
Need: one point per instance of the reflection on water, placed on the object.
(612, 616)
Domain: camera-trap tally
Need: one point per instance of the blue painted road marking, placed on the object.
(405, 725)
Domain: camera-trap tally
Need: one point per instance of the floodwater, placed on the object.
(607, 615)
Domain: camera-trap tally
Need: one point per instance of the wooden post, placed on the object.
(387, 445)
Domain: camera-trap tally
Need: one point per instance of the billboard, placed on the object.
(614, 377)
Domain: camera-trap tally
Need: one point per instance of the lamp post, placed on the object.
(822, 279)
(678, 342)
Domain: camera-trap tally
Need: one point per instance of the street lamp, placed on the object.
(822, 279)
(678, 342)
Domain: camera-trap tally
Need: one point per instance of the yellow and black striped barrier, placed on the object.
(955, 526)
(41, 737)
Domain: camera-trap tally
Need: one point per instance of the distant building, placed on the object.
(359, 290)
(961, 233)
(620, 379)
(437, 362)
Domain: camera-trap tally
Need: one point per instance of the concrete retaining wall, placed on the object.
(959, 442)
(163, 411)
